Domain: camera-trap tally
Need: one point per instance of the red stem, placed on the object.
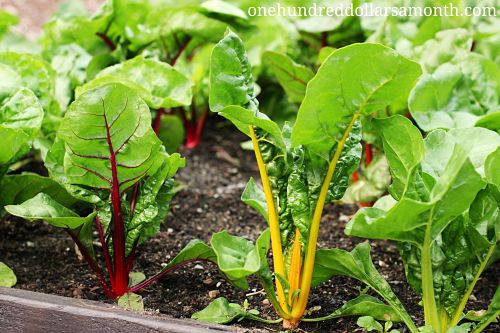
(92, 264)
(152, 279)
(194, 129)
(179, 51)
(106, 40)
(368, 154)
(157, 120)
(121, 276)
(355, 176)
(105, 252)
(324, 39)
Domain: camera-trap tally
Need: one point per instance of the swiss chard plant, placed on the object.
(443, 212)
(21, 117)
(303, 167)
(110, 162)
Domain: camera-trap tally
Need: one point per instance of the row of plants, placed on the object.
(105, 105)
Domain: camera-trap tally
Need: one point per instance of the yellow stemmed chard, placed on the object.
(302, 167)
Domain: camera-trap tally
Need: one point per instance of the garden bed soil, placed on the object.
(216, 172)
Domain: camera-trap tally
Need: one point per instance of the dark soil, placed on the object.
(216, 172)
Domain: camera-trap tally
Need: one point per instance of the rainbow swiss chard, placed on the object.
(107, 156)
(302, 167)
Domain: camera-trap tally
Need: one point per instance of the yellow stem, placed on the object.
(279, 263)
(307, 272)
(295, 266)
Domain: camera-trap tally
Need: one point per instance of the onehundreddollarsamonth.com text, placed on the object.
(371, 9)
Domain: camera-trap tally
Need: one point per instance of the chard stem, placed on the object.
(279, 263)
(459, 310)
(295, 267)
(121, 274)
(431, 315)
(107, 259)
(308, 267)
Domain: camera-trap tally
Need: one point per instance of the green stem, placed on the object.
(431, 314)
(460, 309)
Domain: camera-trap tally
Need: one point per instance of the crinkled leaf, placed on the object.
(232, 89)
(20, 120)
(39, 77)
(7, 277)
(224, 8)
(43, 207)
(158, 83)
(231, 75)
(77, 30)
(152, 203)
(455, 184)
(70, 63)
(456, 95)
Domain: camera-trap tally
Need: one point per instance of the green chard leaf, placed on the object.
(158, 83)
(291, 76)
(36, 75)
(220, 311)
(18, 188)
(363, 305)
(457, 95)
(237, 257)
(7, 277)
(109, 122)
(370, 324)
(153, 201)
(353, 81)
(254, 197)
(20, 120)
(358, 264)
(43, 207)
